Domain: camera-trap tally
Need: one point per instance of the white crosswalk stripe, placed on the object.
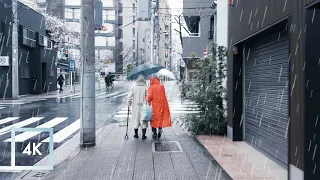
(59, 136)
(65, 132)
(26, 135)
(20, 124)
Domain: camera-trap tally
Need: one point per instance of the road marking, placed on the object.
(20, 124)
(11, 103)
(65, 132)
(26, 135)
(8, 119)
(123, 94)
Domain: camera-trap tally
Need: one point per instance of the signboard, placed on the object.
(144, 7)
(4, 60)
(205, 53)
(72, 65)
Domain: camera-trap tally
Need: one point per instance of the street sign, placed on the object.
(205, 53)
(72, 65)
(4, 60)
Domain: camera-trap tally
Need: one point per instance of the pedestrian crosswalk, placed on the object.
(176, 108)
(65, 127)
(60, 134)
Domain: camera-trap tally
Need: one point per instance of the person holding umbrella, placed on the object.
(161, 112)
(136, 98)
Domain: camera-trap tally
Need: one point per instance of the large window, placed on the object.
(193, 24)
(28, 37)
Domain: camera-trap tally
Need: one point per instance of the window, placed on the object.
(49, 43)
(167, 37)
(133, 55)
(142, 39)
(133, 20)
(134, 44)
(133, 32)
(193, 24)
(43, 41)
(25, 72)
(148, 47)
(28, 37)
(166, 27)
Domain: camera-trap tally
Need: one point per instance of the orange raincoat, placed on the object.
(157, 97)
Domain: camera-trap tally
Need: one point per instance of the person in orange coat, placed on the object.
(161, 112)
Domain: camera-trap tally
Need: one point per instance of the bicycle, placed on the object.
(109, 85)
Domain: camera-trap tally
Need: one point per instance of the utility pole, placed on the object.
(14, 64)
(87, 108)
(157, 26)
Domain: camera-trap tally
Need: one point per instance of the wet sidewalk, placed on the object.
(241, 161)
(115, 158)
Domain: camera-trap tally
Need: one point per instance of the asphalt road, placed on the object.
(61, 114)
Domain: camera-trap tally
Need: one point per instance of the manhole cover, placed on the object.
(169, 146)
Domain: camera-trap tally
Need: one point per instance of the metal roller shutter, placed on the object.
(267, 97)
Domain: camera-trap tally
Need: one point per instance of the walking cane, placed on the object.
(127, 137)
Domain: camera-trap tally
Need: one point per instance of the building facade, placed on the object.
(144, 38)
(37, 58)
(273, 63)
(198, 31)
(198, 20)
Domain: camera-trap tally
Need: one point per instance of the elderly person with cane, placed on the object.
(136, 98)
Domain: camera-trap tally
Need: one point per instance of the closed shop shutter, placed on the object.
(267, 97)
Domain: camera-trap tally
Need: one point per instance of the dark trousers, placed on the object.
(155, 129)
(60, 86)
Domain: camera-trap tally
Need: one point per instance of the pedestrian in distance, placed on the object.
(161, 112)
(136, 99)
(60, 81)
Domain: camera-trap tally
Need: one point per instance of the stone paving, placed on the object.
(118, 159)
(241, 161)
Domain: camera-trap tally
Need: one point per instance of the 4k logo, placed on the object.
(35, 149)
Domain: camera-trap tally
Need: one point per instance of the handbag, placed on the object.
(147, 112)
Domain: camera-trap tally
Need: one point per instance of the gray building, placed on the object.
(37, 57)
(199, 22)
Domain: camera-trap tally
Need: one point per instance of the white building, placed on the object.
(144, 37)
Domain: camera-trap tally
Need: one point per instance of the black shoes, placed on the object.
(136, 133)
(154, 135)
(159, 133)
(144, 134)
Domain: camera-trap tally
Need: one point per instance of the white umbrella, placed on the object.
(166, 73)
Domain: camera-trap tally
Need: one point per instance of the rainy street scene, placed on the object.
(159, 89)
